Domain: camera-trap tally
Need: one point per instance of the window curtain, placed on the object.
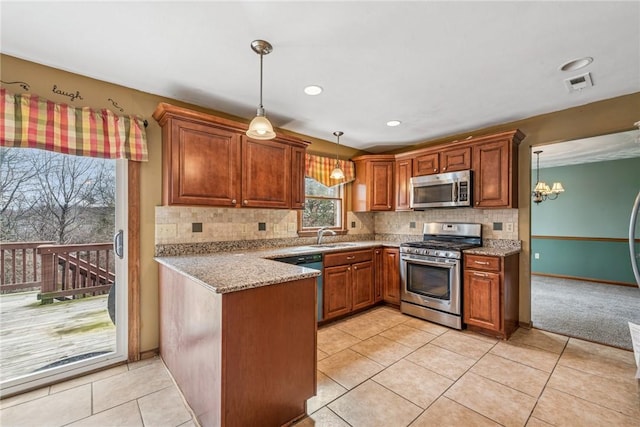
(29, 121)
(319, 168)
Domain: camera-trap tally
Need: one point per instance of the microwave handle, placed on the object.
(454, 188)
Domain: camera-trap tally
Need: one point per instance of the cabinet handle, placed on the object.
(435, 170)
(351, 257)
(481, 262)
(245, 202)
(234, 201)
(348, 268)
(378, 252)
(444, 169)
(480, 274)
(355, 268)
(477, 203)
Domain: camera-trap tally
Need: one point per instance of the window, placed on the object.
(323, 206)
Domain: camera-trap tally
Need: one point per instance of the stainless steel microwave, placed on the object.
(444, 190)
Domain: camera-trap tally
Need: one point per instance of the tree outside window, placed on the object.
(323, 205)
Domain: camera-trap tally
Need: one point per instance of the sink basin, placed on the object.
(333, 245)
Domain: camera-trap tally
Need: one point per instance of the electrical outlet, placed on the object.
(536, 255)
(509, 227)
(196, 227)
(412, 224)
(262, 226)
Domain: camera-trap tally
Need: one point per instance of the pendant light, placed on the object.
(337, 172)
(260, 127)
(542, 192)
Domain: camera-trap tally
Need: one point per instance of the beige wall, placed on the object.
(613, 115)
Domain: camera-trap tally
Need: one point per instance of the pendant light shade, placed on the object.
(260, 127)
(337, 172)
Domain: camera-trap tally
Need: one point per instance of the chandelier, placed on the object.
(542, 192)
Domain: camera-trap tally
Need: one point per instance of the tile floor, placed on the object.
(136, 394)
(382, 368)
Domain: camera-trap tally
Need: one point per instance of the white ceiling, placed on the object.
(615, 146)
(442, 68)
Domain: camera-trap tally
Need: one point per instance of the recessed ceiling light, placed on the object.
(576, 64)
(313, 90)
(393, 123)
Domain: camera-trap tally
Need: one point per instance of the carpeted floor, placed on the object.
(591, 311)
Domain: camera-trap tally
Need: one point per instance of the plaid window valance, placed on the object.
(319, 168)
(29, 121)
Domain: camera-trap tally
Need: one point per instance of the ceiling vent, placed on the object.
(577, 83)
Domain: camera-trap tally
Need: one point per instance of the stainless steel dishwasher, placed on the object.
(310, 261)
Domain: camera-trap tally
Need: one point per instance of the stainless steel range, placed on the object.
(431, 271)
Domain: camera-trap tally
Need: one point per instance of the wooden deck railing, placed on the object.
(19, 266)
(59, 271)
(74, 270)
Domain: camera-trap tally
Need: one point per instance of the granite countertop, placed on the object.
(489, 251)
(236, 271)
(497, 248)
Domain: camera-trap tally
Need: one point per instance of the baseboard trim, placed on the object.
(149, 354)
(525, 325)
(585, 279)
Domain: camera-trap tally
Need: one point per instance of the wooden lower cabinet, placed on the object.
(337, 291)
(348, 282)
(245, 358)
(391, 275)
(491, 294)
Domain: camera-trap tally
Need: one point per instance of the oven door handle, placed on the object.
(449, 265)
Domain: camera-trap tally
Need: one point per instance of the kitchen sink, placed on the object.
(333, 245)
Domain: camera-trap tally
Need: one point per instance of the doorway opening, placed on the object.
(582, 284)
(63, 291)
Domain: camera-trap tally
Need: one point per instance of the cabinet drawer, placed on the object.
(342, 258)
(481, 262)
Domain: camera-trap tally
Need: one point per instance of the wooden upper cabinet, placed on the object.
(297, 177)
(208, 160)
(495, 168)
(201, 165)
(426, 164)
(456, 159)
(266, 173)
(403, 184)
(373, 188)
(447, 160)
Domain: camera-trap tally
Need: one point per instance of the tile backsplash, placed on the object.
(178, 224)
(496, 223)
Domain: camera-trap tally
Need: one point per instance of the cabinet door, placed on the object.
(362, 276)
(391, 276)
(379, 273)
(381, 188)
(266, 174)
(492, 174)
(336, 282)
(403, 187)
(201, 165)
(426, 164)
(482, 299)
(297, 177)
(457, 159)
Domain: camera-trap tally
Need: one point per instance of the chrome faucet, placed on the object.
(322, 231)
